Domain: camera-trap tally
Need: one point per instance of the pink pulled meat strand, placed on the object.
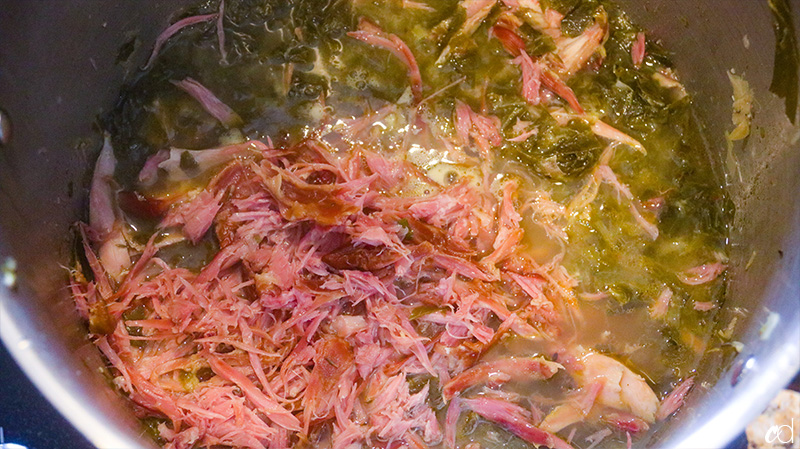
(524, 135)
(213, 105)
(411, 4)
(674, 399)
(596, 438)
(172, 30)
(533, 74)
(371, 34)
(560, 88)
(703, 306)
(101, 281)
(306, 238)
(603, 129)
(604, 173)
(626, 422)
(221, 32)
(450, 422)
(702, 274)
(660, 307)
(149, 172)
(531, 78)
(515, 419)
(504, 369)
(480, 128)
(476, 11)
(195, 215)
(575, 52)
(638, 50)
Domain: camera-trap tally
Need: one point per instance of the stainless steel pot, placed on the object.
(57, 71)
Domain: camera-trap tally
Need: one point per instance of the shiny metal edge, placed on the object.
(79, 413)
(730, 420)
(768, 367)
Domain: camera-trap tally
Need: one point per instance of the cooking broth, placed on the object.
(463, 224)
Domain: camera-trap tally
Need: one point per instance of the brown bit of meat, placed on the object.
(311, 203)
(322, 177)
(138, 205)
(238, 181)
(366, 258)
(654, 205)
(100, 321)
(424, 233)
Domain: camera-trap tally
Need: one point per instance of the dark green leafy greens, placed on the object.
(291, 64)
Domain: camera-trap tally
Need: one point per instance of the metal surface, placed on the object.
(5, 128)
(57, 72)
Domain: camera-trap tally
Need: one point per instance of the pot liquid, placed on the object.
(290, 68)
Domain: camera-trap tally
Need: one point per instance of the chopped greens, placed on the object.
(461, 217)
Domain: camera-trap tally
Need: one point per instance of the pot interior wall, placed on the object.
(709, 39)
(59, 71)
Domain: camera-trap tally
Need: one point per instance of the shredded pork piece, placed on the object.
(501, 371)
(575, 52)
(638, 50)
(417, 5)
(221, 32)
(209, 101)
(475, 11)
(172, 30)
(480, 128)
(516, 420)
(531, 78)
(373, 35)
(674, 399)
(573, 411)
(298, 316)
(660, 307)
(703, 306)
(604, 173)
(196, 215)
(515, 45)
(342, 286)
(597, 437)
(101, 195)
(702, 274)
